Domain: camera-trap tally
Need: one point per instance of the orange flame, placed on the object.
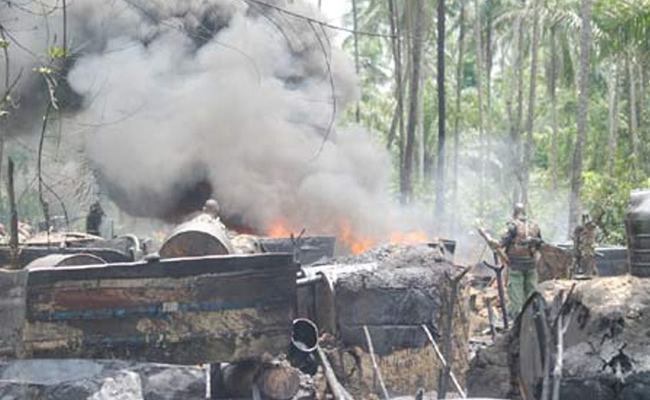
(356, 244)
(353, 241)
(279, 229)
(414, 237)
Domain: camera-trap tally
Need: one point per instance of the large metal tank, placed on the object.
(637, 226)
(196, 238)
(64, 260)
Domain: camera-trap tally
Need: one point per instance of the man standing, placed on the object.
(521, 240)
(584, 247)
(94, 219)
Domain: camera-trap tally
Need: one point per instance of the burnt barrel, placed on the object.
(637, 226)
(196, 238)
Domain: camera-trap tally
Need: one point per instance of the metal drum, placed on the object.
(637, 226)
(64, 260)
(534, 334)
(196, 238)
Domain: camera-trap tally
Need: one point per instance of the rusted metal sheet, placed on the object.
(555, 263)
(184, 311)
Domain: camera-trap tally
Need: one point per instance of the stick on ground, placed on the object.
(332, 382)
(444, 362)
(374, 362)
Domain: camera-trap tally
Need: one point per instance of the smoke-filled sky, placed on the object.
(178, 93)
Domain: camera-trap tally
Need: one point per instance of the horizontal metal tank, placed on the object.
(64, 260)
(637, 226)
(197, 238)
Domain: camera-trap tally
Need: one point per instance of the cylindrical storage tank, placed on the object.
(64, 260)
(637, 226)
(196, 238)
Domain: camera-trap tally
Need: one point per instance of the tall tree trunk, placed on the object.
(488, 69)
(643, 124)
(3, 132)
(479, 85)
(530, 123)
(520, 110)
(554, 117)
(633, 113)
(583, 108)
(613, 117)
(355, 22)
(416, 56)
(512, 74)
(440, 171)
(459, 88)
(399, 87)
(420, 134)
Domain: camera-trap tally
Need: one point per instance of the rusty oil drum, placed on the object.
(637, 227)
(196, 238)
(64, 260)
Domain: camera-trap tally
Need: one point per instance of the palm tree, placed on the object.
(419, 32)
(440, 171)
(528, 146)
(459, 87)
(583, 105)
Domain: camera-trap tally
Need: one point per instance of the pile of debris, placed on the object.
(604, 324)
(100, 380)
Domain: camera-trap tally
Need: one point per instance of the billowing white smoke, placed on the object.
(246, 109)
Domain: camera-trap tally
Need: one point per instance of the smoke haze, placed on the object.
(221, 96)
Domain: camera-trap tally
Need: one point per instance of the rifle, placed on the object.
(500, 254)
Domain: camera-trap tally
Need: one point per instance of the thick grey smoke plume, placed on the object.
(229, 97)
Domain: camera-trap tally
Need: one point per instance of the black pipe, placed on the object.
(304, 341)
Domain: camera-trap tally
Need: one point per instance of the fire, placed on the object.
(356, 244)
(279, 229)
(415, 237)
(353, 241)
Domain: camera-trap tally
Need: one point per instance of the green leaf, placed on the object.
(57, 52)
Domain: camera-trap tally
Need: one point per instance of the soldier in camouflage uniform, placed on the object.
(521, 240)
(584, 247)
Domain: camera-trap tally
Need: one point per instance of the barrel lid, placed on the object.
(639, 204)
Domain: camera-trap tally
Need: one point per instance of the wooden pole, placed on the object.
(13, 239)
(451, 302)
(332, 382)
(444, 362)
(374, 362)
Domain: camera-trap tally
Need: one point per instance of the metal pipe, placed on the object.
(305, 335)
(310, 280)
(136, 250)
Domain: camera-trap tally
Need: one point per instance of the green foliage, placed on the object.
(57, 53)
(606, 197)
